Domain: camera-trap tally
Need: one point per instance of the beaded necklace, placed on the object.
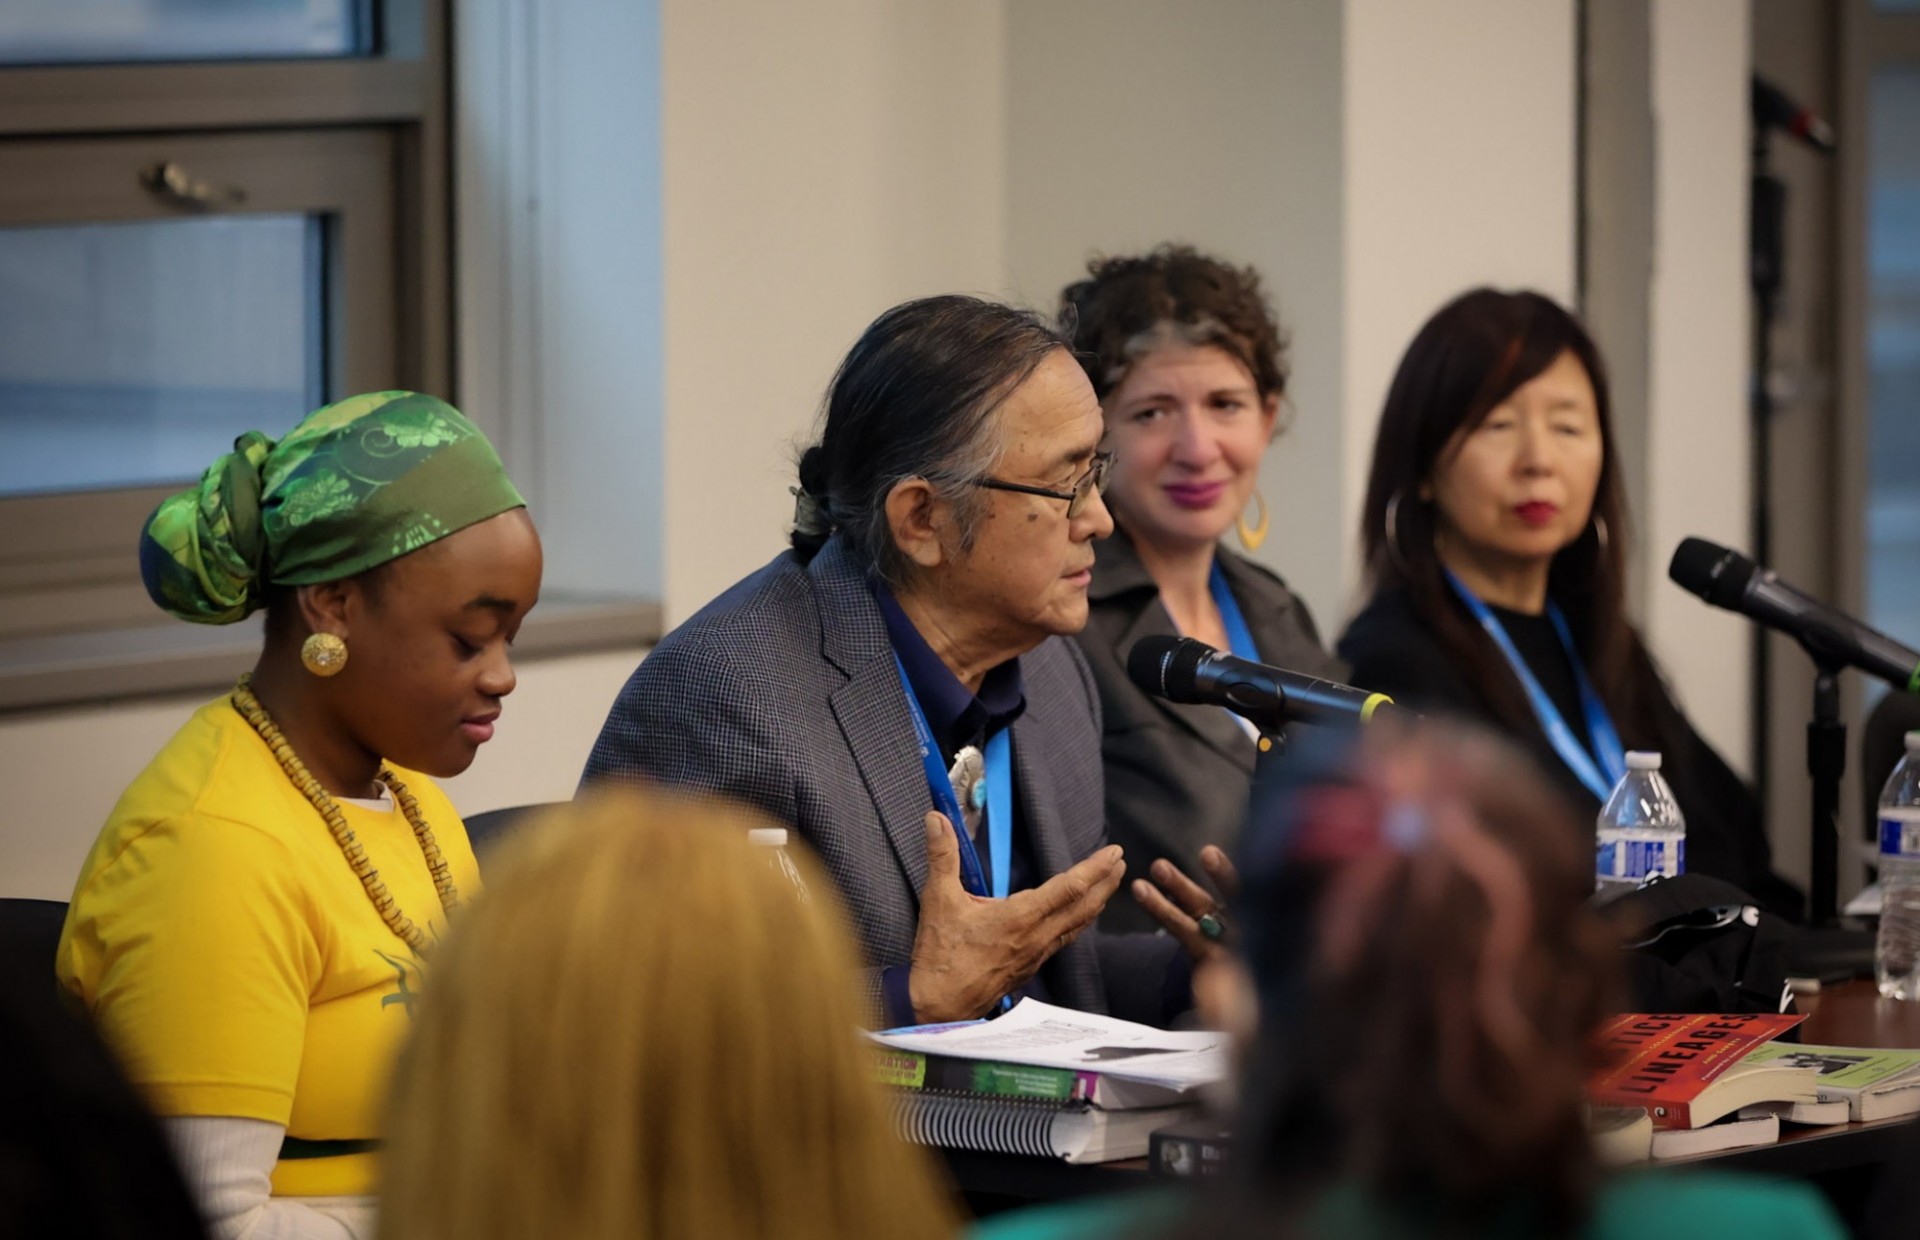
(255, 714)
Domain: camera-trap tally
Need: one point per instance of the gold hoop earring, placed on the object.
(1392, 523)
(1251, 536)
(323, 654)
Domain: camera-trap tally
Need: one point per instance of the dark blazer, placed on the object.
(783, 693)
(1178, 775)
(1394, 650)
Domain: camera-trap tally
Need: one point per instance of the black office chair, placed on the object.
(30, 932)
(485, 831)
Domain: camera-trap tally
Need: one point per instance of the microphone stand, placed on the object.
(1766, 256)
(1826, 763)
(1271, 744)
(1766, 263)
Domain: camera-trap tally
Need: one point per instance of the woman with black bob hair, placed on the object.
(1493, 531)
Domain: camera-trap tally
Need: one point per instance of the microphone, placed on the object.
(1728, 579)
(1181, 669)
(1773, 108)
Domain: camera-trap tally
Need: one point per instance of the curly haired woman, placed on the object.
(1190, 367)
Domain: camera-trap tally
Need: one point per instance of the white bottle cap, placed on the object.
(770, 837)
(1913, 741)
(1642, 760)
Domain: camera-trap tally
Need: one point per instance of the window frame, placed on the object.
(69, 566)
(297, 120)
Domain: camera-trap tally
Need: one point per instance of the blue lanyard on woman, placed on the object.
(1599, 778)
(998, 779)
(1239, 636)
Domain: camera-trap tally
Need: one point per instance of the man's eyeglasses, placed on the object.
(1095, 479)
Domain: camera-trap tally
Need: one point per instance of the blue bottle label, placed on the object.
(1642, 858)
(1899, 837)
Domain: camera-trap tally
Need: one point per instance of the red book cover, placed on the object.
(1664, 1062)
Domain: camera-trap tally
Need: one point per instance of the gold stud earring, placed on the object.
(323, 654)
(1251, 536)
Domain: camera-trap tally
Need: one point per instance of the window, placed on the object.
(132, 352)
(194, 248)
(112, 31)
(1893, 351)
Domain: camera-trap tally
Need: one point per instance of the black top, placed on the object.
(1391, 649)
(1177, 776)
(1539, 645)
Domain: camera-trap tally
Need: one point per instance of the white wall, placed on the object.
(63, 770)
(1133, 122)
(1460, 171)
(823, 161)
(1372, 158)
(1697, 445)
(558, 274)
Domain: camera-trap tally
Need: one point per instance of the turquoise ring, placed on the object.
(1212, 925)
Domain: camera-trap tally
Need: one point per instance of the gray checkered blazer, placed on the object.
(783, 693)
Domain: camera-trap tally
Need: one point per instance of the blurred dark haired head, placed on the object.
(80, 1154)
(1429, 973)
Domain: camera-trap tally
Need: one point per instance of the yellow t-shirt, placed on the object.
(235, 962)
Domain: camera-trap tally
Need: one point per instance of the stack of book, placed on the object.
(1046, 1081)
(1692, 1075)
(1853, 1083)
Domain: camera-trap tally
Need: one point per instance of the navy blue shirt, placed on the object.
(957, 717)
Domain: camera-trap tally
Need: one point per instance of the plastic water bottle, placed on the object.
(1896, 956)
(1641, 832)
(774, 841)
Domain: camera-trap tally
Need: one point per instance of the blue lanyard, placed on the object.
(1239, 636)
(999, 782)
(1612, 764)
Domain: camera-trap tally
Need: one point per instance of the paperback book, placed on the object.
(987, 1078)
(1688, 1071)
(1728, 1134)
(1871, 1083)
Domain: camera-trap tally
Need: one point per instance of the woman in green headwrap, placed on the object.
(250, 927)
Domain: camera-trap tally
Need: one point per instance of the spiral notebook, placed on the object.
(1074, 1131)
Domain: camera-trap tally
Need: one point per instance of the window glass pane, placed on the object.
(1893, 354)
(134, 353)
(99, 31)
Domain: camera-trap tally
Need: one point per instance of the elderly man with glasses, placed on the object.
(899, 687)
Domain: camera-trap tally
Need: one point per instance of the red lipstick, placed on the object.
(1194, 494)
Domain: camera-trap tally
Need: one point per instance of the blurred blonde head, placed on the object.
(639, 1031)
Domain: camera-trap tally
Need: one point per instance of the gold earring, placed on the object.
(1251, 536)
(323, 654)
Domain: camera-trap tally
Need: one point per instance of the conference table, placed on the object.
(1841, 1158)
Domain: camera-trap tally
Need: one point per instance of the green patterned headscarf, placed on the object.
(356, 484)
